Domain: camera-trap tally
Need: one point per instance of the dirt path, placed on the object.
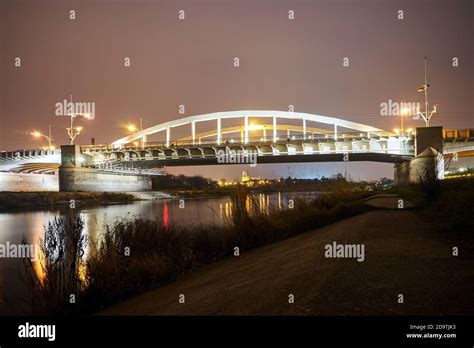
(402, 256)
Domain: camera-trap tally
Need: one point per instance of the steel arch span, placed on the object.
(245, 115)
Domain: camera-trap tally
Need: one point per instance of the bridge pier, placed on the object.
(428, 161)
(74, 176)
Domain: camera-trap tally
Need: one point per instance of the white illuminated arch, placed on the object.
(245, 114)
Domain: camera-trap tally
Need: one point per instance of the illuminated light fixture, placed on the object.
(131, 128)
(396, 131)
(50, 139)
(254, 126)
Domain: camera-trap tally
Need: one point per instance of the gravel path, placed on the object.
(402, 256)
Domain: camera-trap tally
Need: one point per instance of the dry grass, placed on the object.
(136, 255)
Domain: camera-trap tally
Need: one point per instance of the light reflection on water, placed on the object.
(200, 212)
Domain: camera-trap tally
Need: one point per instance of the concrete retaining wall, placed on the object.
(84, 179)
(16, 182)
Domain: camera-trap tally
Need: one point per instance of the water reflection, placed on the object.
(202, 212)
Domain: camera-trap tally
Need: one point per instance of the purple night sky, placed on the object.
(190, 62)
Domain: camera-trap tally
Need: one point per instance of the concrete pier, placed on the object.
(74, 177)
(428, 161)
(86, 179)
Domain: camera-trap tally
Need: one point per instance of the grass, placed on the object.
(453, 209)
(136, 255)
(58, 278)
(446, 204)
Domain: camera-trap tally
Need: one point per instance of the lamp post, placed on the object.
(426, 115)
(72, 131)
(50, 139)
(132, 128)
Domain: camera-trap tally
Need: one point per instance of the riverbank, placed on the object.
(418, 260)
(392, 229)
(11, 201)
(155, 253)
(402, 256)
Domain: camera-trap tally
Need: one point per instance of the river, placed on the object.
(30, 224)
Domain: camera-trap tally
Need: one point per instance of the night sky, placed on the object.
(190, 62)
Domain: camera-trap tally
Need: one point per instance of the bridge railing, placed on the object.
(259, 140)
(458, 135)
(25, 154)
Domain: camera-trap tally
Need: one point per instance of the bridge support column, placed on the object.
(428, 162)
(428, 165)
(77, 179)
(73, 177)
(274, 129)
(246, 129)
(304, 128)
(219, 131)
(193, 132)
(71, 155)
(168, 136)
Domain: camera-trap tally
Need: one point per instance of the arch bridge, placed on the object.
(314, 138)
(310, 138)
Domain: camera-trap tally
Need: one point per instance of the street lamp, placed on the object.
(72, 131)
(426, 115)
(50, 139)
(132, 128)
(404, 111)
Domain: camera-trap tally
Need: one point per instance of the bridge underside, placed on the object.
(266, 159)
